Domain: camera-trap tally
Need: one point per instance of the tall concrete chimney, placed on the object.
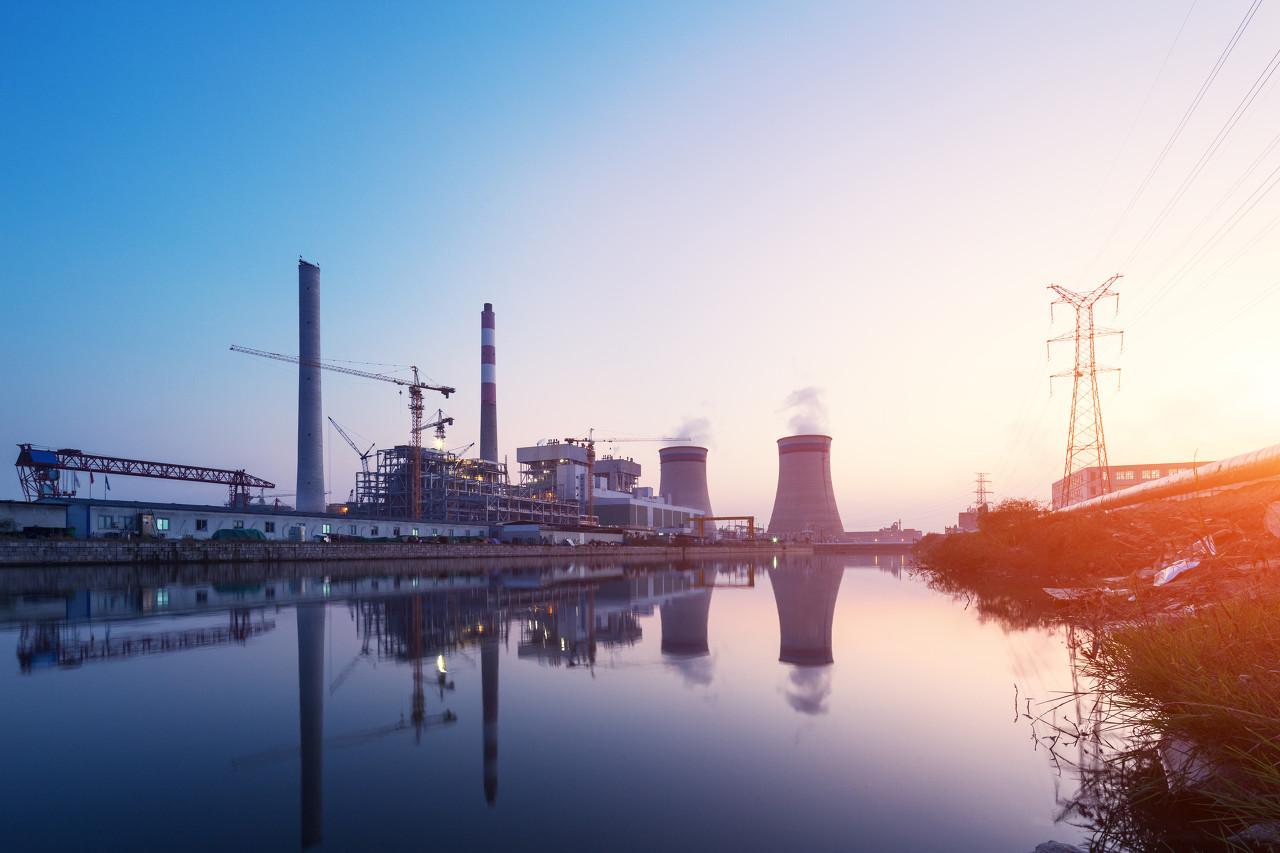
(805, 502)
(683, 476)
(488, 387)
(310, 491)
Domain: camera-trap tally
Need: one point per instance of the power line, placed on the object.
(1241, 108)
(1182, 123)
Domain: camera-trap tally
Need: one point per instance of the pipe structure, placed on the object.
(488, 386)
(805, 502)
(310, 490)
(1234, 471)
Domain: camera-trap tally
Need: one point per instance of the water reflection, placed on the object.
(557, 626)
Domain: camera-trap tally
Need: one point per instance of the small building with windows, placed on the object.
(109, 519)
(1090, 481)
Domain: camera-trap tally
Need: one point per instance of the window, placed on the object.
(1151, 474)
(373, 530)
(238, 524)
(202, 524)
(326, 528)
(268, 527)
(355, 530)
(415, 531)
(104, 522)
(395, 531)
(162, 524)
(1124, 475)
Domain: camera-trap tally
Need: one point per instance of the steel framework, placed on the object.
(38, 472)
(453, 489)
(700, 524)
(1086, 441)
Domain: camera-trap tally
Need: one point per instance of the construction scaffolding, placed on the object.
(454, 489)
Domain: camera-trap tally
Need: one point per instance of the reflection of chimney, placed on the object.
(805, 501)
(489, 699)
(311, 717)
(806, 597)
(488, 387)
(310, 490)
(684, 624)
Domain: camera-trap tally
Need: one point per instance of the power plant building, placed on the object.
(1090, 481)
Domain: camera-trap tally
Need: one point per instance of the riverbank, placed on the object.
(1172, 610)
(30, 553)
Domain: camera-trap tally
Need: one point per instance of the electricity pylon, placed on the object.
(1086, 441)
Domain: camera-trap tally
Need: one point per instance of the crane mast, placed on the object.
(416, 386)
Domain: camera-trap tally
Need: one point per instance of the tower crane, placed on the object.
(364, 455)
(589, 442)
(415, 385)
(438, 425)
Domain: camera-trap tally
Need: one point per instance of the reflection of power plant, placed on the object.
(805, 503)
(805, 592)
(684, 636)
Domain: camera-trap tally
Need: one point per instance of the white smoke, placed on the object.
(807, 411)
(694, 430)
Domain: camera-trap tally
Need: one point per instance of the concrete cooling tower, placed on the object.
(683, 477)
(805, 502)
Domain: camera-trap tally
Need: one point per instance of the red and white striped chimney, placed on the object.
(488, 387)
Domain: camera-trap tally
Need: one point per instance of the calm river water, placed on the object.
(812, 704)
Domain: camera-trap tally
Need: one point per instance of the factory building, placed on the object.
(562, 469)
(110, 519)
(1090, 480)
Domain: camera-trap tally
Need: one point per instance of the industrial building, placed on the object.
(409, 490)
(113, 519)
(1090, 481)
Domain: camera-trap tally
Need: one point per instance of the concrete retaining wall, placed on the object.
(61, 553)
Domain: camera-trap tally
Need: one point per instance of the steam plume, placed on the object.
(808, 413)
(697, 430)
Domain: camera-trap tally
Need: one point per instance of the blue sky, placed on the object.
(679, 210)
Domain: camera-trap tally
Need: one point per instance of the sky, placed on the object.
(681, 211)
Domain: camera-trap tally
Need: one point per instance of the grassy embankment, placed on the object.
(1196, 660)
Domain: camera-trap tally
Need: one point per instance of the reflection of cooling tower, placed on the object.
(311, 717)
(310, 491)
(806, 597)
(805, 501)
(684, 477)
(684, 624)
(489, 703)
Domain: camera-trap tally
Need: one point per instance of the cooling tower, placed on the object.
(488, 387)
(310, 491)
(683, 477)
(805, 503)
(805, 593)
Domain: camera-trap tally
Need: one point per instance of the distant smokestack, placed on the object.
(805, 501)
(310, 491)
(683, 476)
(488, 387)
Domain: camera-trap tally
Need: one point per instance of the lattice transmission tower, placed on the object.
(983, 492)
(1086, 441)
